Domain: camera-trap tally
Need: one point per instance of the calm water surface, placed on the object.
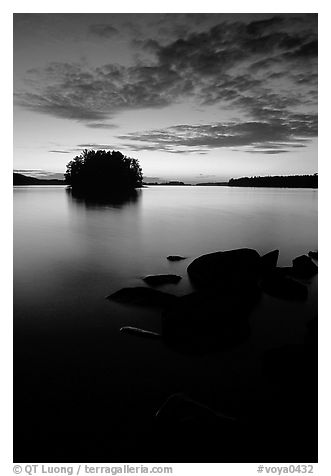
(69, 254)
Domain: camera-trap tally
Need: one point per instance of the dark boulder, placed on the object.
(284, 270)
(277, 284)
(228, 269)
(208, 321)
(313, 254)
(175, 258)
(283, 364)
(192, 431)
(269, 261)
(142, 296)
(304, 267)
(180, 408)
(158, 279)
(311, 342)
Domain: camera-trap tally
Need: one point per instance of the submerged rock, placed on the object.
(311, 337)
(304, 267)
(175, 258)
(230, 269)
(201, 322)
(142, 296)
(190, 429)
(269, 260)
(140, 332)
(180, 408)
(282, 363)
(158, 279)
(279, 285)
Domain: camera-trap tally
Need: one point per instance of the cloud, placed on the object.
(27, 171)
(270, 137)
(99, 94)
(59, 151)
(270, 151)
(41, 174)
(54, 103)
(101, 125)
(261, 70)
(307, 50)
(96, 146)
(103, 30)
(258, 27)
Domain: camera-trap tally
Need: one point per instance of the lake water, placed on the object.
(69, 254)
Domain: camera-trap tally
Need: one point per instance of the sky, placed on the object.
(193, 97)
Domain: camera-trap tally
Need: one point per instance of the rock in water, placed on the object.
(158, 279)
(175, 258)
(189, 429)
(142, 296)
(269, 261)
(279, 285)
(201, 322)
(180, 408)
(230, 269)
(284, 270)
(140, 332)
(313, 254)
(304, 267)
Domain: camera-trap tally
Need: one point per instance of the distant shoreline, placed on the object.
(289, 181)
(20, 179)
(277, 181)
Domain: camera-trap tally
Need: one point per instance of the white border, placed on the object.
(281, 6)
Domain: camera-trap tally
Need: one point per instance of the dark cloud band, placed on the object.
(270, 137)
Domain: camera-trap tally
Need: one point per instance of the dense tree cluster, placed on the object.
(103, 172)
(289, 181)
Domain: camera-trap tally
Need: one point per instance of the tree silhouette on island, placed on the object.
(103, 173)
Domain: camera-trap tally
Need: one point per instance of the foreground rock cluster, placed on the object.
(228, 285)
(215, 317)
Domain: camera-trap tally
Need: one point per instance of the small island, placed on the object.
(100, 172)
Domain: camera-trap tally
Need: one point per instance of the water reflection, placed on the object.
(113, 200)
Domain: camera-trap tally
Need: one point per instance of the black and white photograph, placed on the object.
(165, 239)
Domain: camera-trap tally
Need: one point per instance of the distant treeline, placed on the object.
(19, 179)
(286, 181)
(173, 182)
(213, 184)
